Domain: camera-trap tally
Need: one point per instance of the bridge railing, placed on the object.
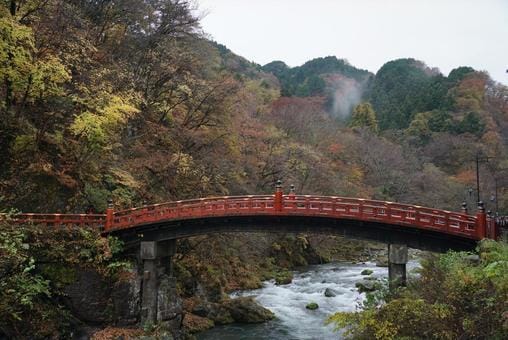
(194, 208)
(303, 205)
(405, 215)
(58, 220)
(379, 211)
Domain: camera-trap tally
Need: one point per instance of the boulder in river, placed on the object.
(366, 272)
(367, 286)
(283, 278)
(330, 292)
(246, 310)
(312, 306)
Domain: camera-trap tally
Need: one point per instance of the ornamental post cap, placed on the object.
(110, 202)
(481, 206)
(279, 183)
(292, 187)
(464, 205)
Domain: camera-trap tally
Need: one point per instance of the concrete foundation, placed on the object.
(397, 260)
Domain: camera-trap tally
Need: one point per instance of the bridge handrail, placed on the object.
(333, 206)
(190, 201)
(82, 220)
(153, 212)
(405, 215)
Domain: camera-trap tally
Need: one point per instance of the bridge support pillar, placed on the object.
(397, 259)
(159, 301)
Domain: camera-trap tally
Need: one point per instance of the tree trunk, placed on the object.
(13, 7)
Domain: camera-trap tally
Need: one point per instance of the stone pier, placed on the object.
(397, 259)
(159, 301)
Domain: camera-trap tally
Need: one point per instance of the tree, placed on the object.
(440, 121)
(419, 127)
(364, 117)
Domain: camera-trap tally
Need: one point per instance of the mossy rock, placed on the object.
(283, 278)
(367, 286)
(366, 272)
(246, 310)
(312, 306)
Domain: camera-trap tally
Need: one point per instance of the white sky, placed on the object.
(368, 33)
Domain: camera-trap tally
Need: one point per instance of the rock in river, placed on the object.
(330, 292)
(246, 310)
(367, 286)
(312, 306)
(366, 272)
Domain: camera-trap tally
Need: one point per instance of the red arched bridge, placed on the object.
(389, 222)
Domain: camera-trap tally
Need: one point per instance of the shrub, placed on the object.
(455, 297)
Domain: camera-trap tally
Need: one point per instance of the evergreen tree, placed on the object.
(364, 117)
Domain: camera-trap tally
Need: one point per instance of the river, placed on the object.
(293, 321)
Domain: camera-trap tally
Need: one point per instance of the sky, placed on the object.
(368, 33)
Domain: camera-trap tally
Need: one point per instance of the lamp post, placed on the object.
(478, 161)
(493, 196)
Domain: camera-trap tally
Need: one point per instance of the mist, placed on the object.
(346, 94)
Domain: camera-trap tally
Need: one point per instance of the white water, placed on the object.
(293, 321)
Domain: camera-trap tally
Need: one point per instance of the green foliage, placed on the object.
(314, 85)
(97, 197)
(97, 128)
(16, 48)
(440, 121)
(27, 78)
(419, 126)
(364, 117)
(425, 123)
(454, 297)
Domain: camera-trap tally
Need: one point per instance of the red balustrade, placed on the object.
(405, 215)
(298, 205)
(59, 220)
